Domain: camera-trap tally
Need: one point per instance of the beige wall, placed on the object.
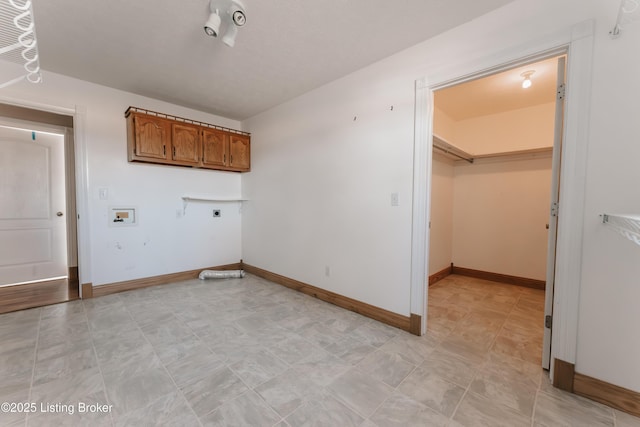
(499, 214)
(441, 219)
(498, 207)
(443, 125)
(520, 129)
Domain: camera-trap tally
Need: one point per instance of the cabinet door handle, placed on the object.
(224, 158)
(231, 159)
(164, 150)
(174, 153)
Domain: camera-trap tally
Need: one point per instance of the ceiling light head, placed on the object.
(237, 13)
(212, 26)
(526, 83)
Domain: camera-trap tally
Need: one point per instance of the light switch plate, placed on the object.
(103, 193)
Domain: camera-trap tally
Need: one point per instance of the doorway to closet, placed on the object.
(492, 236)
(38, 245)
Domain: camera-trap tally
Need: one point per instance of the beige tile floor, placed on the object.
(247, 352)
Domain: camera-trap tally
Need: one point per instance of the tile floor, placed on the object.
(247, 352)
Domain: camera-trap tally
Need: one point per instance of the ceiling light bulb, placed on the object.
(526, 83)
(212, 26)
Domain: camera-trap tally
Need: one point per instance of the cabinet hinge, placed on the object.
(548, 321)
(554, 209)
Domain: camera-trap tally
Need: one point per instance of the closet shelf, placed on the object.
(516, 153)
(451, 150)
(626, 225)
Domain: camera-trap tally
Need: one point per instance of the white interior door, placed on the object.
(553, 217)
(33, 236)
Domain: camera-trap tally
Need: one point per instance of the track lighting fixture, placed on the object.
(226, 16)
(526, 83)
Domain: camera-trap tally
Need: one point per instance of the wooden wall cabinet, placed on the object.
(158, 138)
(239, 152)
(151, 136)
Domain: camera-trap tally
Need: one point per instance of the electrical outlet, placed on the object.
(217, 213)
(394, 199)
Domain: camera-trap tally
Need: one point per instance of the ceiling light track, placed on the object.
(226, 17)
(18, 39)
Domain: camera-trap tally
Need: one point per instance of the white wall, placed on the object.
(500, 210)
(608, 340)
(441, 231)
(321, 182)
(162, 243)
(324, 167)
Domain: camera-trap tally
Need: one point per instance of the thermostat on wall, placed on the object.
(122, 217)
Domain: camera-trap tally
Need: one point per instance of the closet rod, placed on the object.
(447, 151)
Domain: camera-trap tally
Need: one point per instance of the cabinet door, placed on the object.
(215, 146)
(239, 153)
(185, 141)
(151, 137)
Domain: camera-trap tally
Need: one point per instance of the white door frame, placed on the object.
(577, 42)
(81, 179)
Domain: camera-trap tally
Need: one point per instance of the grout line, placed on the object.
(535, 404)
(95, 354)
(163, 365)
(228, 366)
(487, 355)
(33, 369)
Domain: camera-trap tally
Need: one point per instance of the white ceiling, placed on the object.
(500, 92)
(158, 48)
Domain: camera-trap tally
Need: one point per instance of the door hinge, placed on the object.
(560, 92)
(554, 209)
(548, 321)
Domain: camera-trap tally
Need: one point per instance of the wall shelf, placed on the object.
(208, 199)
(626, 225)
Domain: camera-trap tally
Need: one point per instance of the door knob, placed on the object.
(59, 214)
